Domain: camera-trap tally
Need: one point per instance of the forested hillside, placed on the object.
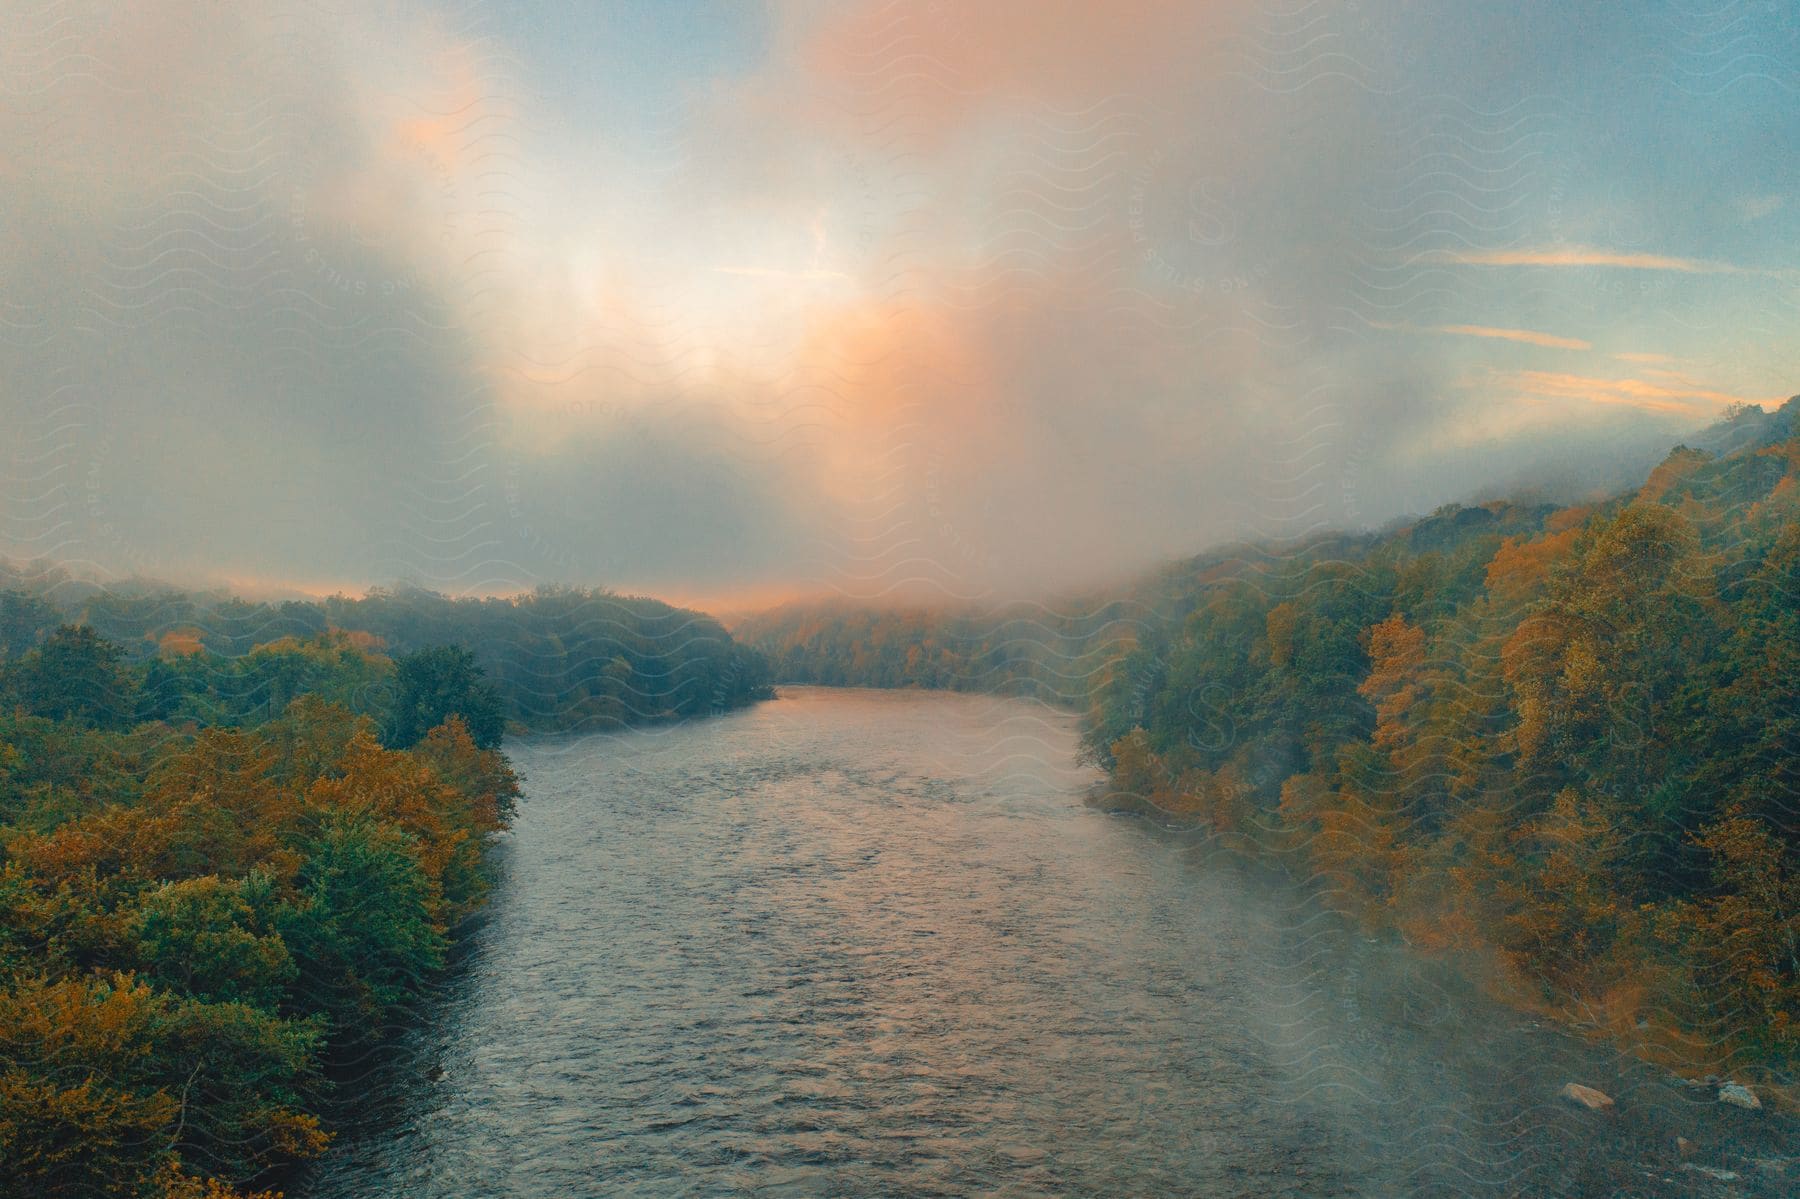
(1567, 738)
(559, 658)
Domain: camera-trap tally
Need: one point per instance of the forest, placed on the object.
(237, 841)
(1026, 649)
(1563, 741)
(558, 658)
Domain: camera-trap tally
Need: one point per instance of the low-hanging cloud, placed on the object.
(880, 299)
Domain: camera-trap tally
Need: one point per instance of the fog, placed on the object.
(867, 299)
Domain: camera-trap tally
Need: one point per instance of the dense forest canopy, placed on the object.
(1566, 737)
(197, 915)
(558, 658)
(236, 838)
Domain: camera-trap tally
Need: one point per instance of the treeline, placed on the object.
(1565, 737)
(1052, 653)
(1023, 649)
(207, 891)
(559, 658)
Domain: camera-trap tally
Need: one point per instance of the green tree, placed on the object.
(361, 930)
(24, 622)
(76, 675)
(206, 937)
(436, 683)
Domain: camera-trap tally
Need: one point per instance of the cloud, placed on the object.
(967, 300)
(1755, 208)
(1679, 397)
(766, 272)
(1587, 256)
(1526, 336)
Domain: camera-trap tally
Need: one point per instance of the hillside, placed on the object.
(1566, 739)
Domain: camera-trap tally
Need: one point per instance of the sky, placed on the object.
(737, 302)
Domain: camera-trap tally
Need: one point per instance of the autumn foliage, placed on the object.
(1568, 739)
(194, 919)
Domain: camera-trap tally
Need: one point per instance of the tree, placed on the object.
(438, 683)
(76, 675)
(1744, 939)
(24, 622)
(105, 1080)
(68, 1135)
(1566, 910)
(205, 937)
(361, 930)
(1396, 652)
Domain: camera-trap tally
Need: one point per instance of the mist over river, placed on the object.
(857, 943)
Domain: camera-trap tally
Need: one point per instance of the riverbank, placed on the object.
(875, 944)
(1660, 1069)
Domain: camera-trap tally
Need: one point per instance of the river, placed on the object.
(853, 943)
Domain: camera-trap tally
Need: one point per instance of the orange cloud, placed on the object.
(1590, 256)
(1635, 393)
(769, 272)
(888, 363)
(444, 123)
(1528, 336)
(936, 66)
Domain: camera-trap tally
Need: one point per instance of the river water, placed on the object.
(854, 943)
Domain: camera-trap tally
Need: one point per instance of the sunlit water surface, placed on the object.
(875, 944)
